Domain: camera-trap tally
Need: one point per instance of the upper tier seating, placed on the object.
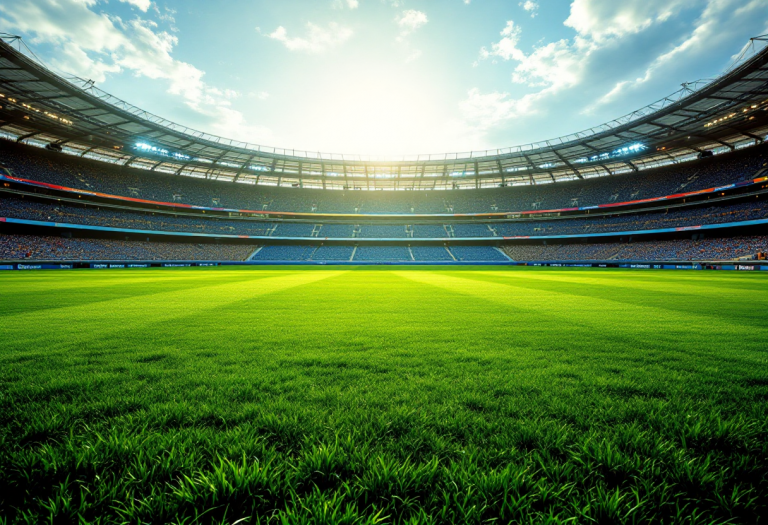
(36, 164)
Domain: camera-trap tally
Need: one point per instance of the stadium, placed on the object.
(202, 330)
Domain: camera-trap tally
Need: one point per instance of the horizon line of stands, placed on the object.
(43, 166)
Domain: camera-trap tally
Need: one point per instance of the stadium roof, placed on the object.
(40, 106)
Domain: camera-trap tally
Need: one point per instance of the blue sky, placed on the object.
(388, 77)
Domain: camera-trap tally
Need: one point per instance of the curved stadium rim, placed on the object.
(688, 90)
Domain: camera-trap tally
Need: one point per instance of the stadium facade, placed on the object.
(660, 184)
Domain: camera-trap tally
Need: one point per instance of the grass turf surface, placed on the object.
(283, 395)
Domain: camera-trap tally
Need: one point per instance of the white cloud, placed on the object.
(506, 48)
(143, 5)
(602, 26)
(349, 4)
(411, 20)
(484, 111)
(554, 66)
(317, 40)
(531, 6)
(93, 45)
(707, 34)
(414, 55)
(600, 19)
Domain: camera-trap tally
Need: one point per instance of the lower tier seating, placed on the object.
(383, 253)
(477, 253)
(681, 249)
(43, 248)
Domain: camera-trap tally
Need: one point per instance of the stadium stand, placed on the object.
(333, 253)
(674, 218)
(472, 230)
(36, 164)
(283, 253)
(41, 248)
(431, 253)
(477, 253)
(429, 231)
(294, 229)
(34, 247)
(39, 165)
(368, 231)
(383, 253)
(337, 230)
(682, 249)
(111, 218)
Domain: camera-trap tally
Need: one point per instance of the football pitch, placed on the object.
(393, 395)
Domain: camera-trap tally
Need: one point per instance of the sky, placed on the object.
(388, 77)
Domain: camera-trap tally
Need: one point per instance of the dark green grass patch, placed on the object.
(469, 395)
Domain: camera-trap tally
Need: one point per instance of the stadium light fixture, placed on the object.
(148, 148)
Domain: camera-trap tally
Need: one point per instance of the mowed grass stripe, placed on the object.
(671, 296)
(105, 288)
(74, 324)
(44, 280)
(607, 336)
(756, 288)
(593, 319)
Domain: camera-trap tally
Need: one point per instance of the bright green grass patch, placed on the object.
(352, 395)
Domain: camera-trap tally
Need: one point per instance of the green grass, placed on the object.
(471, 395)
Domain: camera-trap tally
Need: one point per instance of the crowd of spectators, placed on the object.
(35, 164)
(674, 218)
(114, 218)
(43, 248)
(726, 248)
(47, 248)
